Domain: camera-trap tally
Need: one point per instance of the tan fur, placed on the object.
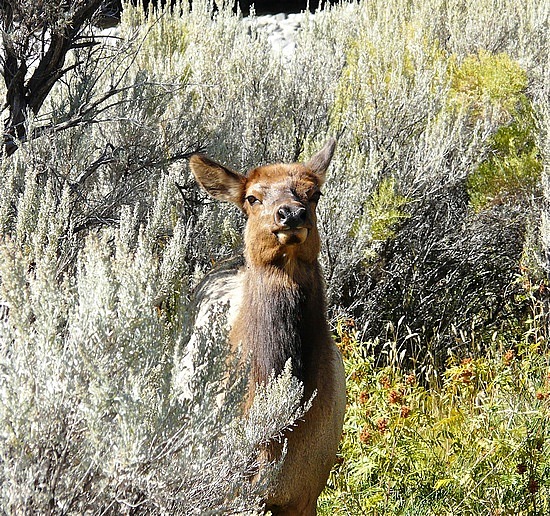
(281, 313)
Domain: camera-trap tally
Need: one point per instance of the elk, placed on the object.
(278, 301)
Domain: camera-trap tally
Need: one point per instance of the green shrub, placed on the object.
(475, 444)
(512, 171)
(493, 85)
(486, 81)
(383, 211)
(382, 214)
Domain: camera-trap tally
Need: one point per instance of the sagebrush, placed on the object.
(436, 244)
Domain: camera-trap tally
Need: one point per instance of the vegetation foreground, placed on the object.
(436, 252)
(476, 443)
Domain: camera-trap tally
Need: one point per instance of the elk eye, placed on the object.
(252, 200)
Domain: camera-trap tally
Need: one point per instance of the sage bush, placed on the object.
(435, 225)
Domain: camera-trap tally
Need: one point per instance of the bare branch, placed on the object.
(53, 30)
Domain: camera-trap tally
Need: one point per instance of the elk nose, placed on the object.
(291, 216)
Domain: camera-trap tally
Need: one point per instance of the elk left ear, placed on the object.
(320, 162)
(220, 182)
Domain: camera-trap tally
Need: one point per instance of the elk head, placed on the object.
(279, 201)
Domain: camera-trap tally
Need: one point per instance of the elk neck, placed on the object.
(283, 316)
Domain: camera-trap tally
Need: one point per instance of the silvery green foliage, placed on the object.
(520, 29)
(90, 418)
(542, 246)
(275, 402)
(257, 105)
(104, 233)
(542, 102)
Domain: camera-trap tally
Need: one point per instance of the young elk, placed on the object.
(279, 307)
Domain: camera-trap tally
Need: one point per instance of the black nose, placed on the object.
(291, 216)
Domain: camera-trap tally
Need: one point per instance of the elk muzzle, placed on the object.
(291, 222)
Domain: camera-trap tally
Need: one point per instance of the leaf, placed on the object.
(442, 483)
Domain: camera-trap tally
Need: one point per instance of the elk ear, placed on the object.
(220, 182)
(320, 162)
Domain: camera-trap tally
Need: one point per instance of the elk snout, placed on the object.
(291, 216)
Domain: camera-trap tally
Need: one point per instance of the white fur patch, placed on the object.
(219, 289)
(292, 236)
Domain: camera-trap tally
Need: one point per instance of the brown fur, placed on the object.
(282, 313)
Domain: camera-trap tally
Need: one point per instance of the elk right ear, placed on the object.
(220, 182)
(320, 162)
